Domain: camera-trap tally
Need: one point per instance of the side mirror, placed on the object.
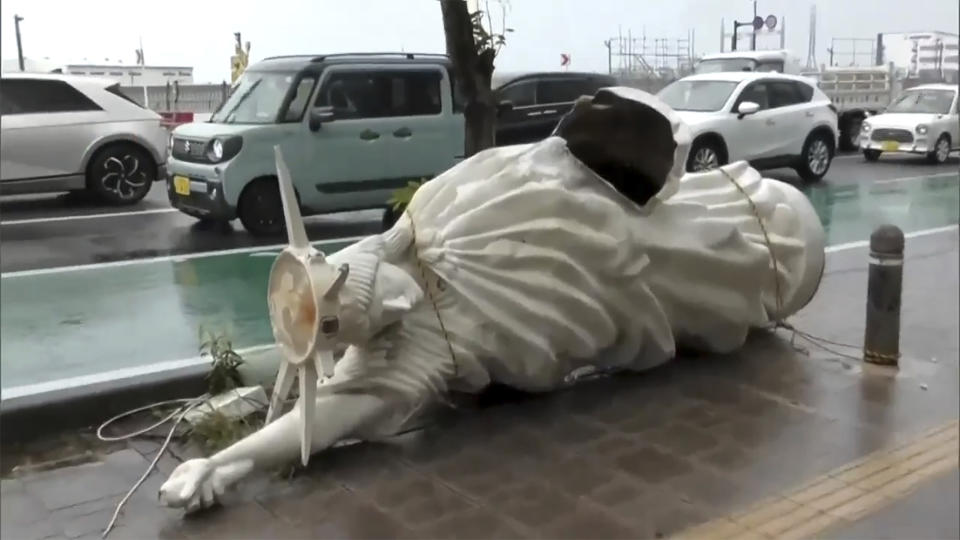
(747, 107)
(504, 107)
(320, 116)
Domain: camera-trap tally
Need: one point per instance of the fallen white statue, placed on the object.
(522, 265)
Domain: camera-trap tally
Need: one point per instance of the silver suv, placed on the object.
(67, 133)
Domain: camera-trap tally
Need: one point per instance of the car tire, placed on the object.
(121, 173)
(871, 155)
(816, 157)
(941, 151)
(704, 156)
(260, 208)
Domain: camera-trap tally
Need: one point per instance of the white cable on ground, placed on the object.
(188, 405)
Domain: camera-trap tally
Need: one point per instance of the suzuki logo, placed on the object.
(186, 146)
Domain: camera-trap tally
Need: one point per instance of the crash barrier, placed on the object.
(881, 340)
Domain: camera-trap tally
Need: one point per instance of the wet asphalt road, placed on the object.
(65, 230)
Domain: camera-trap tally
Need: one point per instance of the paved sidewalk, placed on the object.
(920, 516)
(638, 456)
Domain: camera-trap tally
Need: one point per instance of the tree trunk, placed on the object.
(473, 71)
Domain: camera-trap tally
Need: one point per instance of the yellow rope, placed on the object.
(781, 322)
(429, 291)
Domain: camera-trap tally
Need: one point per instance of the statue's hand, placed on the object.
(197, 483)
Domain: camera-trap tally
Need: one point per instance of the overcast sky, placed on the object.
(200, 33)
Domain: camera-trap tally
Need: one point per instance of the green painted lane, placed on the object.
(82, 322)
(57, 325)
(851, 212)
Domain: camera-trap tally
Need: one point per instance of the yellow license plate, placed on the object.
(890, 146)
(181, 185)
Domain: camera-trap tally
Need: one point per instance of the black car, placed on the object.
(530, 105)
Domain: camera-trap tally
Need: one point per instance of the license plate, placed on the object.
(890, 146)
(181, 185)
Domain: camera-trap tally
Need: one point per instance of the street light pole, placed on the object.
(16, 24)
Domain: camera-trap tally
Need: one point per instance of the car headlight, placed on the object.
(921, 129)
(866, 127)
(223, 148)
(216, 149)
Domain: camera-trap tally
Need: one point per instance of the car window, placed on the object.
(115, 90)
(300, 98)
(562, 90)
(27, 96)
(782, 94)
(380, 94)
(521, 94)
(770, 65)
(755, 92)
(805, 91)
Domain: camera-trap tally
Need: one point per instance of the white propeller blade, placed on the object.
(281, 389)
(308, 406)
(325, 362)
(296, 232)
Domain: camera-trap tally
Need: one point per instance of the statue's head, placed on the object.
(630, 138)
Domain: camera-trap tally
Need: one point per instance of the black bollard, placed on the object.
(881, 341)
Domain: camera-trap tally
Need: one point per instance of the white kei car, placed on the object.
(768, 119)
(922, 120)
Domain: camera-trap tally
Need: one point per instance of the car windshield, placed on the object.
(700, 96)
(722, 65)
(255, 99)
(923, 102)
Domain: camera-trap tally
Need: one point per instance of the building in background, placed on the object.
(924, 56)
(125, 74)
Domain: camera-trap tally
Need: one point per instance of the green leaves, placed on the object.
(401, 198)
(225, 362)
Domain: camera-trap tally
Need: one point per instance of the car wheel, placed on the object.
(816, 157)
(121, 173)
(941, 150)
(871, 155)
(851, 133)
(260, 209)
(704, 156)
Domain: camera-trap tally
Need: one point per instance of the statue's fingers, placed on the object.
(195, 504)
(206, 491)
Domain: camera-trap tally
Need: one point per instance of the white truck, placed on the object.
(856, 92)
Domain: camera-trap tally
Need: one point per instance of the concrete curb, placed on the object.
(31, 416)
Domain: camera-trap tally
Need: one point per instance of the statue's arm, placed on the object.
(197, 483)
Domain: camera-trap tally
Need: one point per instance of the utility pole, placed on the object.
(16, 24)
(609, 44)
(753, 36)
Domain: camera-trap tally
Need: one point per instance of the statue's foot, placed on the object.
(198, 483)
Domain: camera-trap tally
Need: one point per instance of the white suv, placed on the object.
(67, 133)
(768, 119)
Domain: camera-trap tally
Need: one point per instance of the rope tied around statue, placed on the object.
(817, 341)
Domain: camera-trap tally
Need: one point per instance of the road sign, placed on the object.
(757, 22)
(771, 22)
(564, 59)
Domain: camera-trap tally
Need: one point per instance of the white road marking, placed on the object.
(912, 178)
(87, 216)
(866, 243)
(113, 375)
(167, 258)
